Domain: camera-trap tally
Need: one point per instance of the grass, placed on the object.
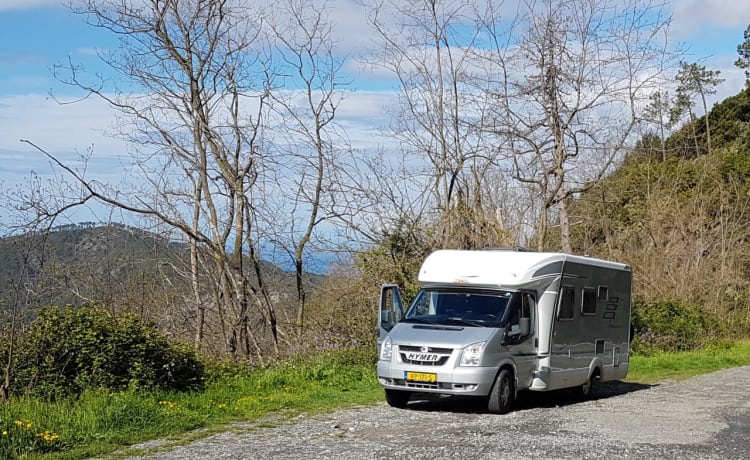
(682, 365)
(100, 423)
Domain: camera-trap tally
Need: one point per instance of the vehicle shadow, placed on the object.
(526, 399)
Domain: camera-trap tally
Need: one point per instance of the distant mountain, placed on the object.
(75, 264)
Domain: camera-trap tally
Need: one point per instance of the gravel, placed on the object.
(706, 417)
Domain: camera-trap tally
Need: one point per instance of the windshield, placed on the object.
(480, 308)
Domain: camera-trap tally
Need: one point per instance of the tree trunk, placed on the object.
(562, 208)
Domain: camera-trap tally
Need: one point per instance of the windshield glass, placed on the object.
(480, 308)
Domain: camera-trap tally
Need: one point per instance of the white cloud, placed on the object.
(690, 16)
(351, 30)
(6, 5)
(40, 119)
(734, 78)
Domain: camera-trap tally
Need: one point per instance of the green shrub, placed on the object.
(670, 325)
(68, 350)
(735, 166)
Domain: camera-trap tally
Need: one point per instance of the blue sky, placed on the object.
(37, 34)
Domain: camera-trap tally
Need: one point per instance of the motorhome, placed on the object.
(491, 323)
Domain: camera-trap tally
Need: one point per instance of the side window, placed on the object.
(603, 293)
(422, 305)
(426, 304)
(528, 307)
(567, 303)
(521, 317)
(588, 303)
(391, 307)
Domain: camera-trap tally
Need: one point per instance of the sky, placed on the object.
(35, 35)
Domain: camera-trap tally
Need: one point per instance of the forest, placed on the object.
(263, 232)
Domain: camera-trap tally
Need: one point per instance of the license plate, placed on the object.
(420, 377)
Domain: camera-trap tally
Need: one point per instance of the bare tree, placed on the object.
(199, 100)
(427, 46)
(308, 158)
(29, 214)
(568, 78)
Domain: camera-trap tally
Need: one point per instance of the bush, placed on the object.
(669, 325)
(68, 350)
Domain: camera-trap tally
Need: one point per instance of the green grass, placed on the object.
(681, 365)
(100, 423)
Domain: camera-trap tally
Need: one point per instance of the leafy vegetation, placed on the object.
(669, 325)
(100, 421)
(679, 217)
(68, 351)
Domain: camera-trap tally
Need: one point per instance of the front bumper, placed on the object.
(469, 381)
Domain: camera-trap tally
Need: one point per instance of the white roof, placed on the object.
(495, 267)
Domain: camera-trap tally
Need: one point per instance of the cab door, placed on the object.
(520, 335)
(390, 312)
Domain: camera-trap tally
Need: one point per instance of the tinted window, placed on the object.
(588, 305)
(567, 302)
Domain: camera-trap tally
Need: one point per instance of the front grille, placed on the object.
(440, 351)
(422, 385)
(440, 362)
(443, 353)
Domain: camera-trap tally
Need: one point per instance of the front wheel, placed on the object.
(397, 398)
(503, 393)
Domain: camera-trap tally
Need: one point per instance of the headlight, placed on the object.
(472, 354)
(386, 349)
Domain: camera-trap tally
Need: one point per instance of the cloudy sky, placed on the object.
(35, 35)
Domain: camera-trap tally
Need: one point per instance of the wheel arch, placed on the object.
(510, 365)
(596, 369)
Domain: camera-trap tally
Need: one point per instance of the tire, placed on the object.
(503, 393)
(397, 398)
(587, 390)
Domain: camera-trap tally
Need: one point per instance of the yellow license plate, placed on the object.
(421, 377)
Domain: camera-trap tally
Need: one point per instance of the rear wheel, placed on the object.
(397, 398)
(503, 393)
(586, 391)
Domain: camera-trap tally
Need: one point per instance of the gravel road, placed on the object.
(706, 417)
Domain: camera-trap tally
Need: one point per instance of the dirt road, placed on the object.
(706, 417)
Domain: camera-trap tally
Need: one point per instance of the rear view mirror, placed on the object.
(525, 326)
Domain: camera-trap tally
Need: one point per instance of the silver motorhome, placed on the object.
(492, 323)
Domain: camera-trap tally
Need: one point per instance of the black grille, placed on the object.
(444, 352)
(439, 362)
(441, 351)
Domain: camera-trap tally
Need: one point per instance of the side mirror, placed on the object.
(390, 317)
(525, 326)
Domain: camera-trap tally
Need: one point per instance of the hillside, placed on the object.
(109, 264)
(679, 215)
(80, 263)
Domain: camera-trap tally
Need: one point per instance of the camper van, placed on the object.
(491, 323)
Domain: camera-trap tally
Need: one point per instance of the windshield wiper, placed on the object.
(464, 322)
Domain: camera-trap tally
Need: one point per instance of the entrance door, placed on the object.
(390, 312)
